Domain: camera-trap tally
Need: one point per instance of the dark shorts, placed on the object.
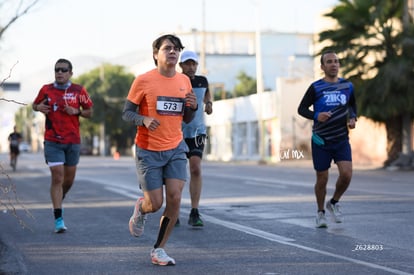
(68, 154)
(196, 146)
(153, 167)
(15, 150)
(323, 155)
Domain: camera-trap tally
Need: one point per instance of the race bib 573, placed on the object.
(172, 106)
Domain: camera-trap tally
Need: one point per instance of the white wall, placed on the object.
(235, 131)
(296, 130)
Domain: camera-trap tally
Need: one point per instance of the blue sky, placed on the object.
(62, 28)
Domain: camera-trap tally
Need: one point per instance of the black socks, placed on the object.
(332, 201)
(163, 227)
(57, 212)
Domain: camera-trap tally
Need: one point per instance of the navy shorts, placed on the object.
(67, 154)
(153, 167)
(14, 149)
(196, 146)
(323, 155)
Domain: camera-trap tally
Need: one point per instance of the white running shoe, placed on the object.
(335, 211)
(137, 220)
(321, 220)
(159, 257)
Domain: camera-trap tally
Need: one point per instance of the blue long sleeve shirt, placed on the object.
(337, 98)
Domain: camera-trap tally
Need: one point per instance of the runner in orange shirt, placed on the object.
(157, 103)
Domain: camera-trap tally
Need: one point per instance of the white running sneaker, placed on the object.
(335, 211)
(159, 257)
(137, 220)
(321, 220)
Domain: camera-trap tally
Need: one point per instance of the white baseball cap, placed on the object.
(188, 55)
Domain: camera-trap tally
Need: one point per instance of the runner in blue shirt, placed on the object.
(334, 112)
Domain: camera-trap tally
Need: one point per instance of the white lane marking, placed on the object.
(248, 230)
(115, 186)
(290, 242)
(126, 193)
(265, 180)
(292, 182)
(263, 234)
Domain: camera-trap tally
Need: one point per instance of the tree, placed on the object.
(376, 52)
(246, 85)
(8, 195)
(21, 9)
(108, 86)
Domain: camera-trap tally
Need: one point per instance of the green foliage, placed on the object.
(14, 10)
(108, 86)
(374, 40)
(222, 95)
(376, 54)
(24, 119)
(245, 86)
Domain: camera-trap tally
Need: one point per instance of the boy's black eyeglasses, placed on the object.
(63, 70)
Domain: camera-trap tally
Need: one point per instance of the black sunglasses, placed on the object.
(63, 70)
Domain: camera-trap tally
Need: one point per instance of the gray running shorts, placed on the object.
(153, 167)
(68, 154)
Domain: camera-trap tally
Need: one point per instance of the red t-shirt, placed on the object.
(61, 127)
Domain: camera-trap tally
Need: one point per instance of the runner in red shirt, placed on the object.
(62, 103)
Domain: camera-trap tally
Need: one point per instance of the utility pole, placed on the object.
(406, 120)
(259, 82)
(203, 40)
(102, 126)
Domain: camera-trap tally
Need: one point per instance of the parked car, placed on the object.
(25, 147)
(85, 150)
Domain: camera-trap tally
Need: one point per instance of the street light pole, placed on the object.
(406, 120)
(259, 82)
(259, 73)
(203, 40)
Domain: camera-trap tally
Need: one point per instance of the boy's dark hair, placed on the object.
(158, 42)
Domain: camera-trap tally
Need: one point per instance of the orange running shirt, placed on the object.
(162, 98)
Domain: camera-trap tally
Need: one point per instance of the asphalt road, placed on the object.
(259, 219)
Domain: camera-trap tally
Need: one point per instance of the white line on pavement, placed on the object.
(259, 233)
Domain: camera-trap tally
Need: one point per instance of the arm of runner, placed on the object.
(190, 108)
